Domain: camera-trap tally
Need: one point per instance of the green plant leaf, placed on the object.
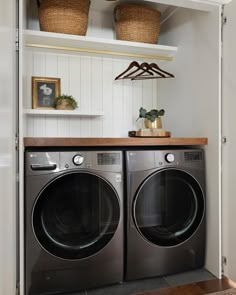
(161, 112)
(150, 115)
(154, 113)
(142, 113)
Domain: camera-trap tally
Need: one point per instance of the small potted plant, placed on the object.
(152, 119)
(65, 102)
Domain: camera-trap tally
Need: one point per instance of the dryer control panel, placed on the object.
(145, 160)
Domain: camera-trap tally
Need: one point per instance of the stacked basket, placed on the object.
(137, 23)
(64, 16)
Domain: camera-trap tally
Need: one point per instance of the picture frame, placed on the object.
(44, 92)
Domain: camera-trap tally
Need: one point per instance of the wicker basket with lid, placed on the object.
(137, 23)
(60, 16)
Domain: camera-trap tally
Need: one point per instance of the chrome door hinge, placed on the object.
(17, 40)
(223, 17)
(17, 290)
(224, 20)
(17, 142)
(223, 139)
(223, 262)
(17, 177)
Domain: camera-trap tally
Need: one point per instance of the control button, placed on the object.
(170, 158)
(78, 160)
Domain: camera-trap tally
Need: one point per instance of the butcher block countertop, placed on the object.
(126, 141)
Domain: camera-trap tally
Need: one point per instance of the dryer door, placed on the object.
(168, 207)
(76, 215)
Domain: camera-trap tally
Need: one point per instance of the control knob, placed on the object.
(169, 158)
(78, 160)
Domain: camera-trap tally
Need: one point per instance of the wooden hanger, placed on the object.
(155, 66)
(132, 64)
(143, 68)
(146, 67)
(144, 71)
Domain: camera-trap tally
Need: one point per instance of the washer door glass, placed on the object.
(168, 207)
(76, 215)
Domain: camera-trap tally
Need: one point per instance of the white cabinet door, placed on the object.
(7, 148)
(229, 148)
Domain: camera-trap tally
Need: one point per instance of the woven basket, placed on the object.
(64, 16)
(137, 23)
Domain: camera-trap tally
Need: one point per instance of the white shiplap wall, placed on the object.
(91, 80)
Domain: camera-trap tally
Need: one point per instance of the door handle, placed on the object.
(38, 167)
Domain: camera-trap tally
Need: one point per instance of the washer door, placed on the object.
(76, 215)
(168, 207)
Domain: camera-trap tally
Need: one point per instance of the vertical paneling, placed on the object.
(154, 95)
(147, 94)
(39, 64)
(86, 94)
(107, 97)
(118, 115)
(75, 91)
(91, 81)
(39, 70)
(27, 86)
(51, 71)
(27, 78)
(63, 73)
(29, 126)
(96, 96)
(137, 101)
(128, 122)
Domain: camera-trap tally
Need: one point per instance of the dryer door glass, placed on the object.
(168, 207)
(76, 215)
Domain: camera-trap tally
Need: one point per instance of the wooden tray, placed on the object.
(149, 133)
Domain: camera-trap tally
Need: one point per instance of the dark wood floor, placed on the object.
(199, 288)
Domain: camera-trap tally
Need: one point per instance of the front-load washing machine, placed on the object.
(73, 220)
(165, 212)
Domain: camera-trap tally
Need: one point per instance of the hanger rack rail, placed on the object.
(101, 52)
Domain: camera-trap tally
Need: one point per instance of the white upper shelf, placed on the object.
(91, 45)
(39, 112)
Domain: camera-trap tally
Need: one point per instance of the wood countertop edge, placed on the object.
(103, 141)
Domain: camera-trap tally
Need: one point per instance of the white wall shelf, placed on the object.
(92, 45)
(39, 112)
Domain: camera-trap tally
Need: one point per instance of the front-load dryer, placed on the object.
(165, 212)
(73, 220)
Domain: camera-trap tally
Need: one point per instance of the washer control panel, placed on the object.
(78, 160)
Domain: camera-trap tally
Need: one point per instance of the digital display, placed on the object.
(108, 158)
(193, 156)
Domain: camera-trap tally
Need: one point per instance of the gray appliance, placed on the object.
(73, 220)
(165, 212)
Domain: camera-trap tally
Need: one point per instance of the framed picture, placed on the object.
(44, 92)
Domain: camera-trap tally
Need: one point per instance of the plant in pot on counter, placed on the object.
(65, 102)
(152, 118)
